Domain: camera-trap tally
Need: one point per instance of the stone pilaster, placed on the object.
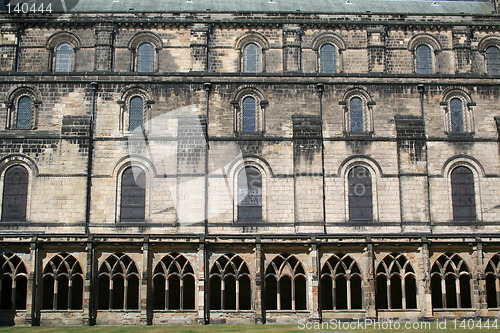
(462, 48)
(314, 285)
(104, 39)
(376, 49)
(424, 297)
(479, 283)
(258, 295)
(8, 46)
(292, 40)
(202, 287)
(146, 294)
(200, 34)
(369, 301)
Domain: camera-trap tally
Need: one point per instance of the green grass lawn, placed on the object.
(270, 328)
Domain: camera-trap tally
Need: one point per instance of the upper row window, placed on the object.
(492, 55)
(64, 58)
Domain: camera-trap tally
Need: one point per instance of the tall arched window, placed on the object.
(360, 194)
(423, 57)
(146, 58)
(15, 194)
(64, 58)
(356, 115)
(328, 58)
(457, 115)
(463, 194)
(24, 112)
(136, 113)
(251, 58)
(62, 283)
(396, 283)
(285, 284)
(230, 287)
(249, 116)
(450, 283)
(492, 277)
(249, 194)
(341, 284)
(174, 284)
(492, 55)
(13, 282)
(118, 283)
(133, 195)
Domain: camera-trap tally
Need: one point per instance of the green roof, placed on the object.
(477, 7)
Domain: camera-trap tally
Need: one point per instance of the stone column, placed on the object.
(462, 48)
(258, 295)
(424, 295)
(104, 39)
(200, 34)
(376, 49)
(371, 311)
(8, 46)
(292, 40)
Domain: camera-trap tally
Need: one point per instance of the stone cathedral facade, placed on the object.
(249, 162)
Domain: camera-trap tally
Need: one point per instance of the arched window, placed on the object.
(249, 117)
(15, 194)
(356, 115)
(136, 113)
(492, 55)
(492, 277)
(463, 194)
(396, 283)
(450, 283)
(285, 284)
(249, 194)
(64, 58)
(118, 283)
(62, 284)
(360, 194)
(230, 284)
(328, 58)
(145, 58)
(24, 112)
(174, 284)
(13, 282)
(423, 55)
(133, 195)
(341, 284)
(251, 58)
(456, 115)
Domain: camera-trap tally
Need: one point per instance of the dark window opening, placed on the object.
(215, 293)
(493, 60)
(6, 302)
(326, 293)
(381, 293)
(62, 293)
(411, 292)
(104, 292)
(328, 58)
(249, 194)
(285, 290)
(457, 115)
(437, 293)
(136, 113)
(463, 194)
(271, 292)
(451, 292)
(133, 195)
(249, 115)
(118, 292)
(396, 293)
(356, 293)
(356, 115)
(145, 58)
(229, 293)
(159, 292)
(21, 292)
(360, 194)
(48, 293)
(491, 291)
(15, 194)
(77, 293)
(133, 293)
(245, 297)
(64, 58)
(341, 293)
(300, 293)
(251, 58)
(423, 54)
(188, 293)
(465, 294)
(24, 113)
